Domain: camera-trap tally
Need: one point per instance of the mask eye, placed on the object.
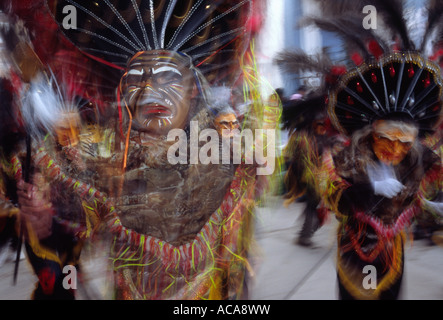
(407, 144)
(134, 77)
(382, 138)
(167, 77)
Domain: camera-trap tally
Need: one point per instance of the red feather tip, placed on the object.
(334, 74)
(375, 49)
(357, 59)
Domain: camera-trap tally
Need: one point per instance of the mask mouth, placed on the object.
(155, 110)
(391, 158)
(149, 109)
(155, 116)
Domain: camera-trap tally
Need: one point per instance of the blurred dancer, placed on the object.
(162, 215)
(386, 175)
(384, 97)
(53, 220)
(50, 219)
(11, 137)
(309, 137)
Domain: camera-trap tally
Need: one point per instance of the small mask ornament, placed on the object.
(67, 129)
(226, 124)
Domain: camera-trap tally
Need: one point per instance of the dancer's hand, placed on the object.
(36, 210)
(388, 188)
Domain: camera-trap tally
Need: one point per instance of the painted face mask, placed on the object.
(392, 140)
(158, 87)
(226, 124)
(319, 127)
(68, 129)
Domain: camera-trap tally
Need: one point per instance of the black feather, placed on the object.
(390, 11)
(392, 15)
(340, 7)
(349, 28)
(435, 21)
(298, 61)
(300, 114)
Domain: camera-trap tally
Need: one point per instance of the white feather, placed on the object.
(43, 105)
(219, 98)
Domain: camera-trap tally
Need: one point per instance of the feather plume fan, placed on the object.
(345, 27)
(391, 20)
(434, 28)
(392, 14)
(344, 18)
(43, 105)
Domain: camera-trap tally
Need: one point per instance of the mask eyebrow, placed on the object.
(408, 138)
(166, 69)
(135, 72)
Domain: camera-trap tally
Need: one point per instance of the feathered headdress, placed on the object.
(211, 32)
(385, 73)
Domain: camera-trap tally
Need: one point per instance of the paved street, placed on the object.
(284, 270)
(289, 271)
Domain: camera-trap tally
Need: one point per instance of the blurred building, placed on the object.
(281, 31)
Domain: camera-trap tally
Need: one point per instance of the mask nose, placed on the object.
(396, 145)
(149, 92)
